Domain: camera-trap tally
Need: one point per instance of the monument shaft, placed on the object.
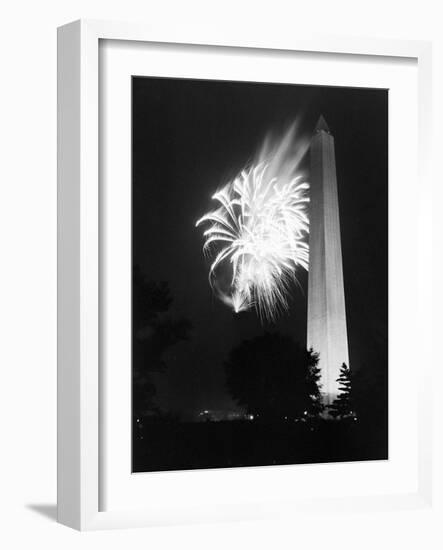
(326, 331)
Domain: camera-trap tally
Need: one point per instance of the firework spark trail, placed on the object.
(260, 230)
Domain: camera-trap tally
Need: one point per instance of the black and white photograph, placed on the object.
(259, 274)
(222, 266)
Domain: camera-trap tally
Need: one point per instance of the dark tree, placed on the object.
(315, 404)
(273, 377)
(153, 334)
(342, 406)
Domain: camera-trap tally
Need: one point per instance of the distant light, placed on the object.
(251, 417)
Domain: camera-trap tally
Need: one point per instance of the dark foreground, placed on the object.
(185, 446)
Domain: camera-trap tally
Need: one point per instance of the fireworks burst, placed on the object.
(259, 230)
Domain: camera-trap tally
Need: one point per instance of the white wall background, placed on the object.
(28, 268)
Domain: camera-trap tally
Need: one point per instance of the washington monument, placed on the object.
(326, 331)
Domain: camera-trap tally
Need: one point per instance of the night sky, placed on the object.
(192, 136)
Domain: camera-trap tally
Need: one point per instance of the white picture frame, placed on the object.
(79, 411)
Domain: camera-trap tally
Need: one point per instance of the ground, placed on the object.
(184, 446)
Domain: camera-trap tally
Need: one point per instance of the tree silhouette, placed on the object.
(342, 406)
(315, 405)
(153, 333)
(273, 377)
